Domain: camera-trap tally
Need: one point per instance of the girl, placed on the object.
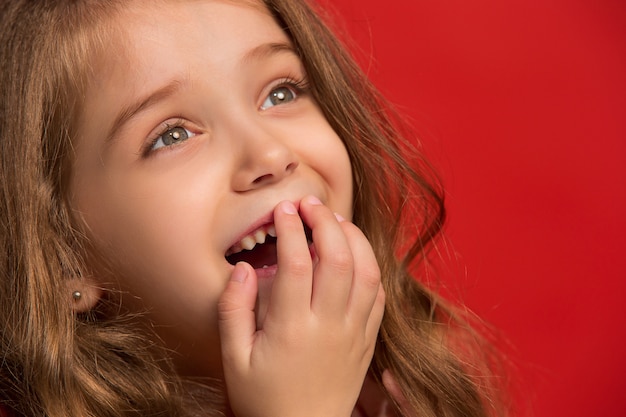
(182, 183)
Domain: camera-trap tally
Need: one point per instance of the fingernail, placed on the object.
(314, 201)
(339, 217)
(288, 207)
(240, 273)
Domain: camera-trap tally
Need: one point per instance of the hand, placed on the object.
(318, 336)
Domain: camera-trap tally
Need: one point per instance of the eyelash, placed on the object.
(299, 82)
(148, 149)
(300, 85)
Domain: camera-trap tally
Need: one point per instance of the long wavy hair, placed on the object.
(57, 363)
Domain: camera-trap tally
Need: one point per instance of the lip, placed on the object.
(268, 272)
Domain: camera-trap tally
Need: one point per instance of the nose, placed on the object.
(265, 159)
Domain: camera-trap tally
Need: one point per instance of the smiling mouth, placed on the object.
(258, 248)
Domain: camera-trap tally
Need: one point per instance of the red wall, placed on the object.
(521, 104)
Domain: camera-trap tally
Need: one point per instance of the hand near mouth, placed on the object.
(319, 333)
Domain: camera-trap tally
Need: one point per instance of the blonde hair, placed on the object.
(57, 363)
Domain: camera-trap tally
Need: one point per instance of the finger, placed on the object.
(333, 273)
(236, 318)
(376, 316)
(291, 290)
(366, 292)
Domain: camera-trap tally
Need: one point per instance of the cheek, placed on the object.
(338, 173)
(345, 185)
(144, 220)
(339, 165)
(168, 266)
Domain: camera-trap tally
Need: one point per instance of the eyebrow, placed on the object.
(128, 112)
(258, 53)
(266, 50)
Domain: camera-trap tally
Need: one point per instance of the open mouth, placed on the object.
(258, 248)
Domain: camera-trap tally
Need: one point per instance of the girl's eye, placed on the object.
(279, 95)
(171, 136)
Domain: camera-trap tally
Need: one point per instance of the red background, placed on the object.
(521, 106)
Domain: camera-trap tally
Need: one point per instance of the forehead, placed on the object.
(152, 43)
(187, 24)
(128, 34)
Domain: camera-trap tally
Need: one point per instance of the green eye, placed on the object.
(279, 95)
(171, 136)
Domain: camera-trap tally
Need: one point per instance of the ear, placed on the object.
(83, 293)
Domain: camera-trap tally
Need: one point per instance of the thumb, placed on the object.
(236, 318)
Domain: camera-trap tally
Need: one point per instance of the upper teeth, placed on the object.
(251, 240)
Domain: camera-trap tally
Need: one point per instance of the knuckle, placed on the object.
(225, 307)
(371, 278)
(341, 261)
(299, 267)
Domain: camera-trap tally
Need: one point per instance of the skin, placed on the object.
(163, 216)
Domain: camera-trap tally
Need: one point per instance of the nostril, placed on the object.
(268, 177)
(262, 178)
(291, 167)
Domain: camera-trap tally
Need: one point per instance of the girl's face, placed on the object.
(196, 125)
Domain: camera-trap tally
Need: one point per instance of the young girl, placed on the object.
(200, 200)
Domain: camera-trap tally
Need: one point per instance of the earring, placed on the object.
(77, 295)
